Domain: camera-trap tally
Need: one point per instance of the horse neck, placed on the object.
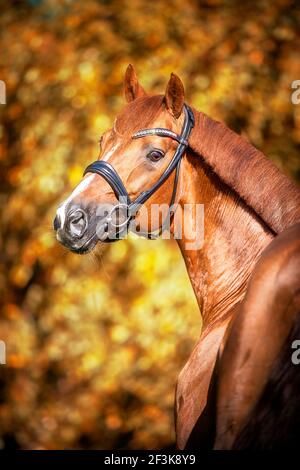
(247, 171)
(247, 201)
(233, 239)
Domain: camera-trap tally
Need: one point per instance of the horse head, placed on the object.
(135, 168)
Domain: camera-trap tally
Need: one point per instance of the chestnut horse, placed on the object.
(239, 388)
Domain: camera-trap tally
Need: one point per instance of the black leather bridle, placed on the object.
(107, 171)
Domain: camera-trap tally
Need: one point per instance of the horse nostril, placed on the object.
(78, 223)
(56, 223)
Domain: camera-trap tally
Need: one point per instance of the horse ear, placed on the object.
(174, 96)
(132, 88)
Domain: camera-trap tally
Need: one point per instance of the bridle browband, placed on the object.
(107, 171)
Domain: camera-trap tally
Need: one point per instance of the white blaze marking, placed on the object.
(61, 211)
(110, 152)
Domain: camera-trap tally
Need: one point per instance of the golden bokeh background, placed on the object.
(95, 343)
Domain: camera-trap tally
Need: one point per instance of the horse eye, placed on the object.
(155, 155)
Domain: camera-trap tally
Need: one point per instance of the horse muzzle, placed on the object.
(79, 229)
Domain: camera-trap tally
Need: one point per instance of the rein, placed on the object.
(108, 172)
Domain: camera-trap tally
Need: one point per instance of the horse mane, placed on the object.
(246, 170)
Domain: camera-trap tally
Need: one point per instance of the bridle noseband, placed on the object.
(107, 171)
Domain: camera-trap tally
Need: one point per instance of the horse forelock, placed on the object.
(138, 114)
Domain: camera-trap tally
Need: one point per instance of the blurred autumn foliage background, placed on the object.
(94, 344)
